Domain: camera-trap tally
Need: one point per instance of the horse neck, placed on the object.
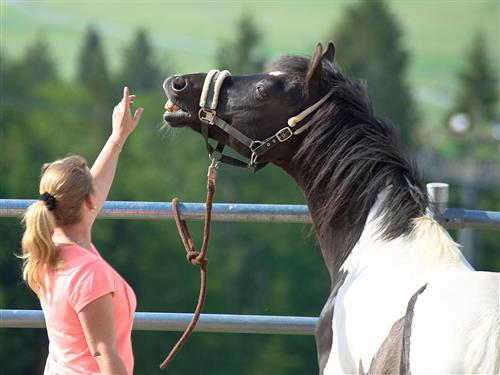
(350, 249)
(341, 165)
(335, 241)
(346, 244)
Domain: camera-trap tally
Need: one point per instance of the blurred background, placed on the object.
(432, 68)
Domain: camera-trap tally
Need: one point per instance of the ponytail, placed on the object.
(64, 185)
(39, 251)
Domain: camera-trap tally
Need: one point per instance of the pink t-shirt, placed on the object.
(84, 277)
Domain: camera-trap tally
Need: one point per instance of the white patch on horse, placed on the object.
(382, 277)
(456, 325)
(276, 73)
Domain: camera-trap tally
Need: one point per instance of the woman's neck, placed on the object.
(76, 234)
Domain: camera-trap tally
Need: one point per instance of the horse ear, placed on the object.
(313, 75)
(329, 53)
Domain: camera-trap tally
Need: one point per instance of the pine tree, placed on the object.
(242, 56)
(478, 90)
(139, 70)
(92, 69)
(369, 47)
(37, 64)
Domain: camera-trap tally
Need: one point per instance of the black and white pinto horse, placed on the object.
(403, 298)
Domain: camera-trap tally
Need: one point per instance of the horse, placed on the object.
(403, 298)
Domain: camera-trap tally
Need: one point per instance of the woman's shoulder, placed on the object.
(87, 277)
(80, 265)
(74, 258)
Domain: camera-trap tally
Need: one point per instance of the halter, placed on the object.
(208, 116)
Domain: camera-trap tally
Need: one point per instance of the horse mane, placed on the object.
(349, 156)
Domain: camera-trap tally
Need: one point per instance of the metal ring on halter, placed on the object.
(255, 144)
(253, 160)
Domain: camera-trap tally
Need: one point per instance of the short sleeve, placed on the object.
(90, 282)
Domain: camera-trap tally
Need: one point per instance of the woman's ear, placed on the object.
(89, 202)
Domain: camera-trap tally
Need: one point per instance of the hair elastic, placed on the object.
(49, 200)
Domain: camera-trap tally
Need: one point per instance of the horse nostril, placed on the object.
(179, 83)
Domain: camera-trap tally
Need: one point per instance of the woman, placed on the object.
(88, 307)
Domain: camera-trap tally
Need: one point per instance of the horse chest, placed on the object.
(373, 297)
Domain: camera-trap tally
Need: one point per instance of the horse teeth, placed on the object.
(171, 107)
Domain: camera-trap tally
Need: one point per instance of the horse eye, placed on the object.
(262, 91)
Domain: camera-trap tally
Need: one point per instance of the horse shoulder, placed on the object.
(393, 355)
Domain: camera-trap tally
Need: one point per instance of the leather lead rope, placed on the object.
(194, 257)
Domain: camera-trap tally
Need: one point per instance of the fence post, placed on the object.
(438, 194)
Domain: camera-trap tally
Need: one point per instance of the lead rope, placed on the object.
(194, 257)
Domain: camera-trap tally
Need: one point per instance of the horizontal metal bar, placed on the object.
(284, 213)
(222, 323)
(452, 218)
(458, 218)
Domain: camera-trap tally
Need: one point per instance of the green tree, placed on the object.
(139, 70)
(18, 155)
(478, 84)
(255, 268)
(37, 64)
(474, 147)
(242, 56)
(92, 70)
(370, 47)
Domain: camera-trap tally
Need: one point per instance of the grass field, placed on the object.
(186, 33)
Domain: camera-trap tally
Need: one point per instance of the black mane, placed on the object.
(347, 158)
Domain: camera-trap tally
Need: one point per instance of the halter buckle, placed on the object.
(207, 115)
(284, 134)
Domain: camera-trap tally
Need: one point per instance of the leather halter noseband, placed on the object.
(208, 116)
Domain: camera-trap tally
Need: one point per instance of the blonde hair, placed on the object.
(69, 181)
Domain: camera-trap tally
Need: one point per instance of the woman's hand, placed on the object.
(123, 121)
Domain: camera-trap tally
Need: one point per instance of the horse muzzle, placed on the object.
(175, 115)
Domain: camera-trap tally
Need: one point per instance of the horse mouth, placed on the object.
(175, 116)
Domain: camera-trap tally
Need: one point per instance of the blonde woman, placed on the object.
(88, 307)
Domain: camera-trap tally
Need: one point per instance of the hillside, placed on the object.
(186, 34)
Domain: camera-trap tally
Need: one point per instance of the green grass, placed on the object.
(186, 33)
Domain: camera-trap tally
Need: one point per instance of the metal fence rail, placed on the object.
(147, 321)
(451, 218)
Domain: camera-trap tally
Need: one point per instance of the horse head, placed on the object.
(258, 107)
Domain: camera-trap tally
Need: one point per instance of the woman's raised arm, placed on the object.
(104, 168)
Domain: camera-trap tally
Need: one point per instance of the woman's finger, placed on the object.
(137, 114)
(125, 95)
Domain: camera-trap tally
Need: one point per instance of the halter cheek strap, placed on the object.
(292, 121)
(287, 132)
(208, 116)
